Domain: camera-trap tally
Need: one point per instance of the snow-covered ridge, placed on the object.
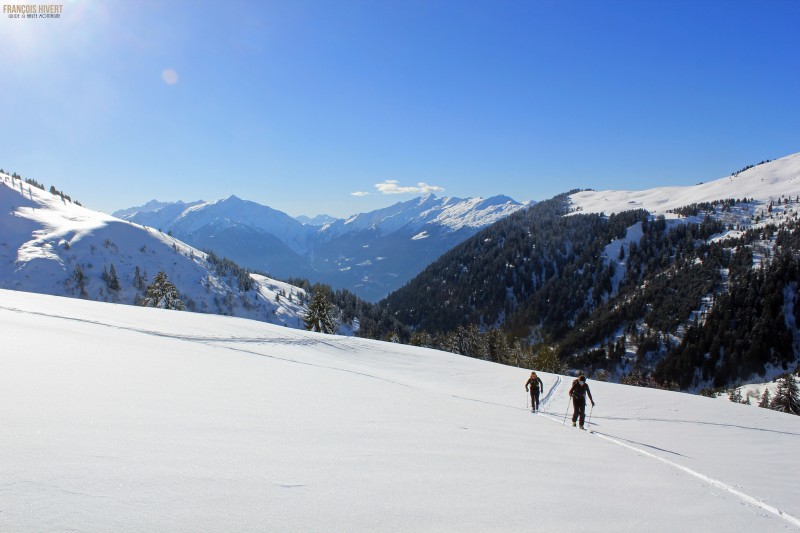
(45, 240)
(234, 211)
(450, 214)
(764, 182)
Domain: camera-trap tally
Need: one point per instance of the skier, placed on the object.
(536, 387)
(578, 392)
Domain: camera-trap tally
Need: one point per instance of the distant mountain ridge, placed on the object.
(319, 220)
(370, 253)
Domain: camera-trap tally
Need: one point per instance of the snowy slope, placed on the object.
(765, 182)
(44, 238)
(122, 418)
(754, 391)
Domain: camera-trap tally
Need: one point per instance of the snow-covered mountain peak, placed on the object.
(318, 220)
(153, 206)
(450, 213)
(428, 198)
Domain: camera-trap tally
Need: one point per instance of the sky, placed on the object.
(342, 107)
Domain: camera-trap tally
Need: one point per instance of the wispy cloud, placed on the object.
(359, 193)
(392, 187)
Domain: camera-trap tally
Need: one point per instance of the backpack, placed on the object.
(578, 390)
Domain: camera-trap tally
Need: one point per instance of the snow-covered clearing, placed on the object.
(120, 418)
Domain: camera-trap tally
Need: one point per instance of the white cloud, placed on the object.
(392, 187)
(169, 76)
(359, 193)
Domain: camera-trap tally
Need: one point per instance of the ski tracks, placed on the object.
(706, 479)
(709, 480)
(547, 397)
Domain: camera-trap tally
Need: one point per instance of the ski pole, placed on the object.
(526, 399)
(590, 412)
(565, 413)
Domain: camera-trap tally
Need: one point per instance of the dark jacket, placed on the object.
(580, 391)
(532, 381)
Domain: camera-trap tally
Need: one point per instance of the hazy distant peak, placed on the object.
(499, 199)
(319, 220)
(152, 206)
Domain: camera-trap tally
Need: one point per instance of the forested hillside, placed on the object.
(703, 298)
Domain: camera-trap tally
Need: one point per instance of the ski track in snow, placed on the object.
(706, 479)
(703, 422)
(224, 344)
(547, 397)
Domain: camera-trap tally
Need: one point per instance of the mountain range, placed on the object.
(370, 254)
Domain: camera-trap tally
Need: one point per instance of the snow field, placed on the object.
(131, 419)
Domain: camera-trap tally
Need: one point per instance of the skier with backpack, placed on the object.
(578, 393)
(536, 387)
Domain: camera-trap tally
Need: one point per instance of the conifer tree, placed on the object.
(163, 294)
(319, 317)
(735, 395)
(787, 396)
(546, 360)
(138, 282)
(766, 401)
(80, 279)
(111, 279)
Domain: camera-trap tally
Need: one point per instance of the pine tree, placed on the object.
(163, 294)
(319, 317)
(766, 401)
(735, 395)
(546, 360)
(111, 279)
(787, 396)
(138, 282)
(80, 279)
(497, 346)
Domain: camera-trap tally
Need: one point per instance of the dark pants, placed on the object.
(579, 409)
(535, 399)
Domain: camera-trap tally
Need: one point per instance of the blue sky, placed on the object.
(299, 104)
